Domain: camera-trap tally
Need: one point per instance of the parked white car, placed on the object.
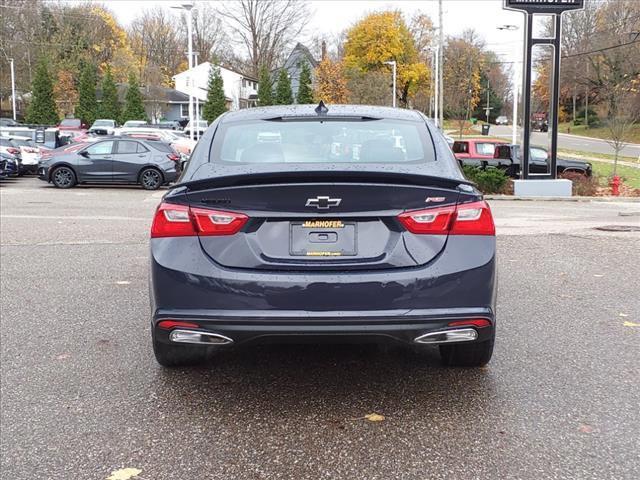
(103, 127)
(29, 152)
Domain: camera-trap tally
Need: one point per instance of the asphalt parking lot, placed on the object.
(82, 395)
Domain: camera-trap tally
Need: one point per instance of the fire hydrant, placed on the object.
(615, 185)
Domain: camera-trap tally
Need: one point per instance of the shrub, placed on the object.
(490, 180)
(583, 186)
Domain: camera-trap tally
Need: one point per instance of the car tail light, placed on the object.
(464, 219)
(169, 324)
(173, 156)
(474, 322)
(182, 221)
(429, 221)
(13, 151)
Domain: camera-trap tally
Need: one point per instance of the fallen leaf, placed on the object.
(630, 324)
(374, 417)
(124, 474)
(584, 428)
(63, 356)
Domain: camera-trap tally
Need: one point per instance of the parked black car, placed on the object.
(9, 165)
(508, 158)
(112, 160)
(348, 224)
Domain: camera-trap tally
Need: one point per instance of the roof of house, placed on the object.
(208, 65)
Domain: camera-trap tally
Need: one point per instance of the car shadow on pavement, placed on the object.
(339, 381)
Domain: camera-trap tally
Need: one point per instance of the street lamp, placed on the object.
(13, 84)
(393, 65)
(188, 6)
(516, 81)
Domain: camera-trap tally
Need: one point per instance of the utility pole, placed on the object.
(436, 103)
(440, 61)
(516, 84)
(13, 89)
(488, 108)
(393, 91)
(188, 6)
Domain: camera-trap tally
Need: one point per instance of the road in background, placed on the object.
(82, 395)
(569, 142)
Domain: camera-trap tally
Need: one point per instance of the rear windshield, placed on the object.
(22, 143)
(326, 141)
(161, 146)
(70, 122)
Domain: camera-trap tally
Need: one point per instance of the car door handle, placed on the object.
(142, 155)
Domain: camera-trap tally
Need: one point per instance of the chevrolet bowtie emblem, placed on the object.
(323, 203)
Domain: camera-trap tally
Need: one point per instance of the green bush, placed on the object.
(490, 180)
(594, 120)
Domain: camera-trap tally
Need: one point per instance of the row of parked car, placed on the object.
(135, 153)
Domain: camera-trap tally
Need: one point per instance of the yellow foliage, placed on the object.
(331, 85)
(384, 36)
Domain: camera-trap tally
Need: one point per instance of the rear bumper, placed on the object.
(331, 327)
(394, 304)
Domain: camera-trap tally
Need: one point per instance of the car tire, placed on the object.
(169, 355)
(474, 354)
(150, 178)
(63, 177)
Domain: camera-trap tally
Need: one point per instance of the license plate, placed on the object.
(323, 238)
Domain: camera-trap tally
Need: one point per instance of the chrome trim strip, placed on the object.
(448, 336)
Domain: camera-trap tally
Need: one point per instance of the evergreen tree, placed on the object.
(133, 107)
(305, 92)
(265, 88)
(87, 103)
(283, 89)
(110, 107)
(216, 103)
(42, 108)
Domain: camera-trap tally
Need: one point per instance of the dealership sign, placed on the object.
(543, 6)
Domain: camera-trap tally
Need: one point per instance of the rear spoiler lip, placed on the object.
(323, 176)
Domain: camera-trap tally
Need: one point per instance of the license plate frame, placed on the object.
(323, 239)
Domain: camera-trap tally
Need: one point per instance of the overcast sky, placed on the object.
(333, 16)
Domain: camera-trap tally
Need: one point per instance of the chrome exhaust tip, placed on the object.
(448, 336)
(200, 338)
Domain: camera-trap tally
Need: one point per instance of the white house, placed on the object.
(240, 90)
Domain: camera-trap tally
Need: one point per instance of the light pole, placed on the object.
(516, 81)
(435, 82)
(188, 6)
(393, 65)
(13, 83)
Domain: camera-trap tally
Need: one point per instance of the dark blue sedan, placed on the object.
(345, 224)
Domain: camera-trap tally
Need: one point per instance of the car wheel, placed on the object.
(63, 177)
(169, 355)
(467, 354)
(150, 179)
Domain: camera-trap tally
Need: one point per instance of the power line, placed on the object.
(601, 49)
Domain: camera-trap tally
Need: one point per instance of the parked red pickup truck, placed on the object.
(476, 152)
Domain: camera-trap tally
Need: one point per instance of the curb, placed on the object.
(564, 199)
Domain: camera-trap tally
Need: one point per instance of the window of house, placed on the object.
(184, 109)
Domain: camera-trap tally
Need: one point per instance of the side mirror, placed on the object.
(84, 153)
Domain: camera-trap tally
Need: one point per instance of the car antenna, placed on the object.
(321, 109)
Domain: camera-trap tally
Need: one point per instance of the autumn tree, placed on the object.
(42, 108)
(283, 94)
(216, 103)
(331, 84)
(65, 93)
(265, 28)
(305, 91)
(265, 88)
(381, 37)
(87, 103)
(209, 36)
(109, 108)
(463, 63)
(134, 106)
